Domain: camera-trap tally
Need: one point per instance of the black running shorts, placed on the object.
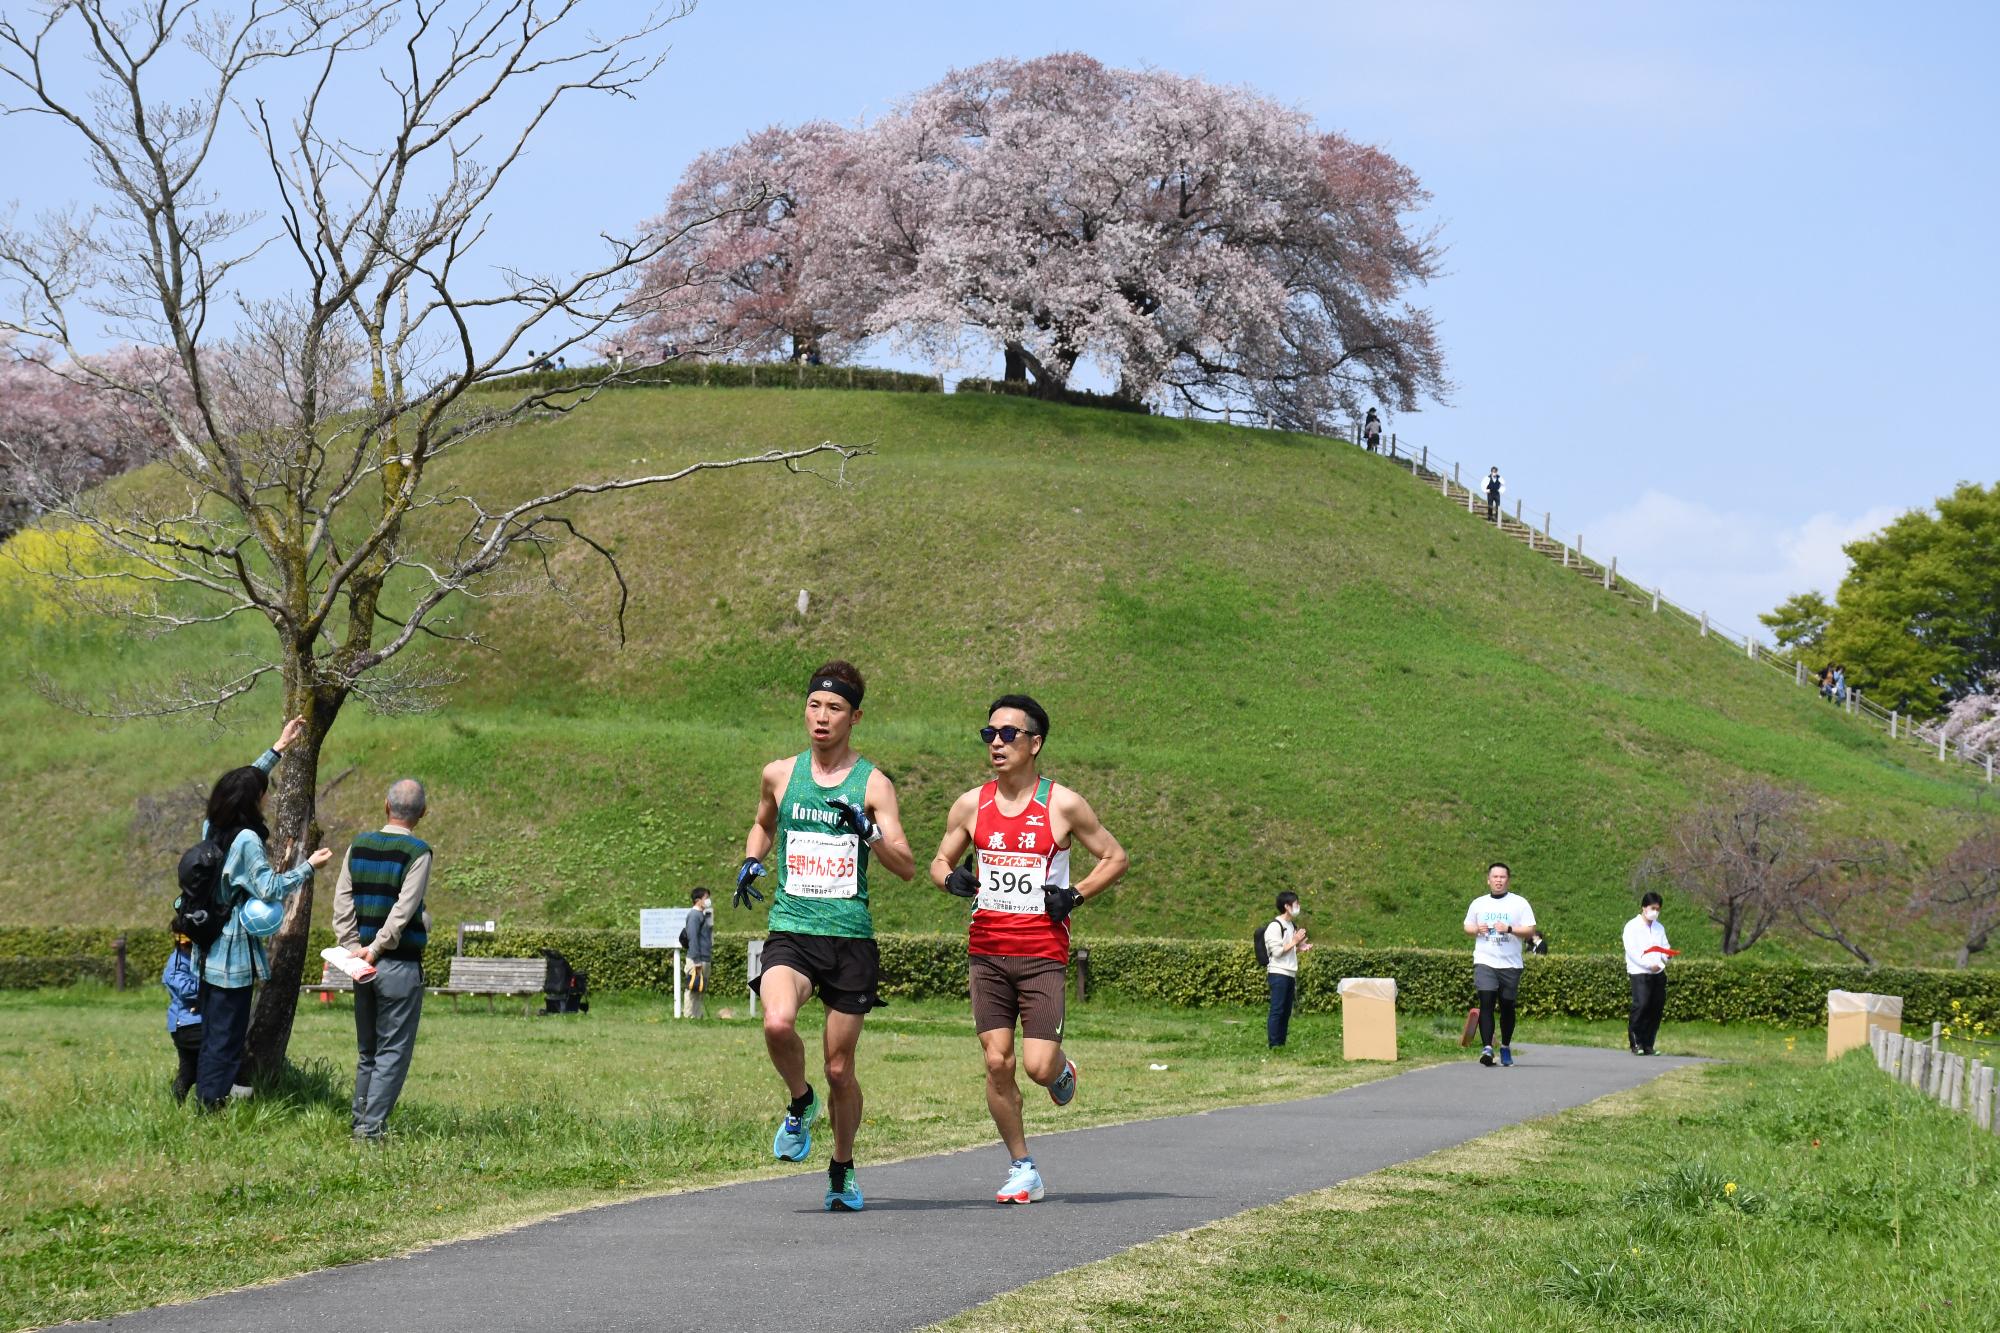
(844, 971)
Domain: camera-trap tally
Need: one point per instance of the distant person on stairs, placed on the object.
(1371, 431)
(1495, 488)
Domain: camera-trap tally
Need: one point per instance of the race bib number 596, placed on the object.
(1011, 882)
(822, 865)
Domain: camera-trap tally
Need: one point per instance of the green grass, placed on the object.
(507, 1118)
(1271, 661)
(1787, 1195)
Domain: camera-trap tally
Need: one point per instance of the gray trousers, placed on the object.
(385, 1029)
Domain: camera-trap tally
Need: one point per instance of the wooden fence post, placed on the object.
(1427, 456)
(1611, 574)
(1940, 747)
(1656, 601)
(1892, 724)
(1704, 624)
(1750, 647)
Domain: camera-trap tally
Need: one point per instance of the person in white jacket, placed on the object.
(1646, 966)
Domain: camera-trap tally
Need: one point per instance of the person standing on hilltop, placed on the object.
(1371, 431)
(1495, 488)
(822, 816)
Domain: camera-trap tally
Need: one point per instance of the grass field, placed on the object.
(1272, 661)
(505, 1118)
(1771, 1196)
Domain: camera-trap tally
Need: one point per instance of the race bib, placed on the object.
(822, 865)
(1012, 882)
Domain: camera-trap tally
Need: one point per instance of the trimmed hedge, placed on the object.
(1180, 973)
(726, 375)
(1073, 397)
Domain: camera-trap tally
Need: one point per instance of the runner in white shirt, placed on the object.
(1497, 921)
(1646, 954)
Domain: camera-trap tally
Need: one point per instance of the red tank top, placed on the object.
(1018, 856)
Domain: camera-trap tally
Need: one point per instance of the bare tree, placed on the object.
(1850, 886)
(305, 427)
(1743, 857)
(1964, 889)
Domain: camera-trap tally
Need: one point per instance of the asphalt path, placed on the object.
(932, 1242)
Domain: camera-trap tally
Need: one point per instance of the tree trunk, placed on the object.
(295, 832)
(1017, 364)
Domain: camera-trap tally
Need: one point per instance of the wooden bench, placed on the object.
(512, 977)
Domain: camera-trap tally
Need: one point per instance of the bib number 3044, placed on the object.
(1011, 882)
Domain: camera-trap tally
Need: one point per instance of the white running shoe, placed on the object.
(1024, 1183)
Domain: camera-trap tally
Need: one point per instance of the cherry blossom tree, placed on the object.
(1196, 241)
(775, 275)
(56, 423)
(1974, 720)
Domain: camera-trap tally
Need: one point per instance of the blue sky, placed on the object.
(1714, 295)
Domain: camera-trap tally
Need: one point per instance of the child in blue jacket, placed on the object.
(183, 983)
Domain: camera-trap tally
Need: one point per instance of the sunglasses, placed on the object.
(1005, 735)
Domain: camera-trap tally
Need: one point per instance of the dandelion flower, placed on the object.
(1729, 1188)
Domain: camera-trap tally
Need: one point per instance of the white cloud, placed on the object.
(1734, 564)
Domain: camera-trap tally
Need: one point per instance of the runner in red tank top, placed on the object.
(1019, 828)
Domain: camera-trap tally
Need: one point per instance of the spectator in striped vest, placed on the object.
(378, 913)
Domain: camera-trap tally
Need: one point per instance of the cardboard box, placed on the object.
(1368, 1018)
(1849, 1015)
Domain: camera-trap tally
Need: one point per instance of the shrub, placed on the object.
(1073, 397)
(726, 375)
(1178, 973)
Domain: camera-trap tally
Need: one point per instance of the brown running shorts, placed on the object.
(1024, 990)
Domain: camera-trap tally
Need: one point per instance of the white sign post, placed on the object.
(660, 928)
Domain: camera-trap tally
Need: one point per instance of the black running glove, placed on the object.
(1060, 902)
(855, 818)
(963, 881)
(746, 880)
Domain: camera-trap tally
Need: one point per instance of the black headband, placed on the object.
(833, 685)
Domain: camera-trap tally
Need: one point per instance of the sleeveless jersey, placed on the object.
(1018, 856)
(822, 865)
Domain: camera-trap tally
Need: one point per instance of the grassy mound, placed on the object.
(1271, 662)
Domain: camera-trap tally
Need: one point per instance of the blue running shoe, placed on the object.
(1486, 1056)
(1024, 1183)
(846, 1199)
(1507, 1056)
(1063, 1091)
(794, 1139)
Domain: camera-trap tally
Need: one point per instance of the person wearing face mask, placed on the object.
(1284, 941)
(1646, 954)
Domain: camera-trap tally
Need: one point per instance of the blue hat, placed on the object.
(261, 919)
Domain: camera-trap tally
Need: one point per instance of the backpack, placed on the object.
(202, 910)
(1257, 943)
(684, 934)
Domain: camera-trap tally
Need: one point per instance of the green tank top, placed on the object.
(822, 865)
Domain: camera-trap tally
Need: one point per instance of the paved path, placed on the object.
(932, 1242)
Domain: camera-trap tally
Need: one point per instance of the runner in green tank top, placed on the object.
(822, 877)
(822, 816)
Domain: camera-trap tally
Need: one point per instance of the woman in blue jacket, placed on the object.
(231, 966)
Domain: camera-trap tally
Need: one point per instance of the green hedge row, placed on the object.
(726, 375)
(1167, 972)
(1073, 397)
